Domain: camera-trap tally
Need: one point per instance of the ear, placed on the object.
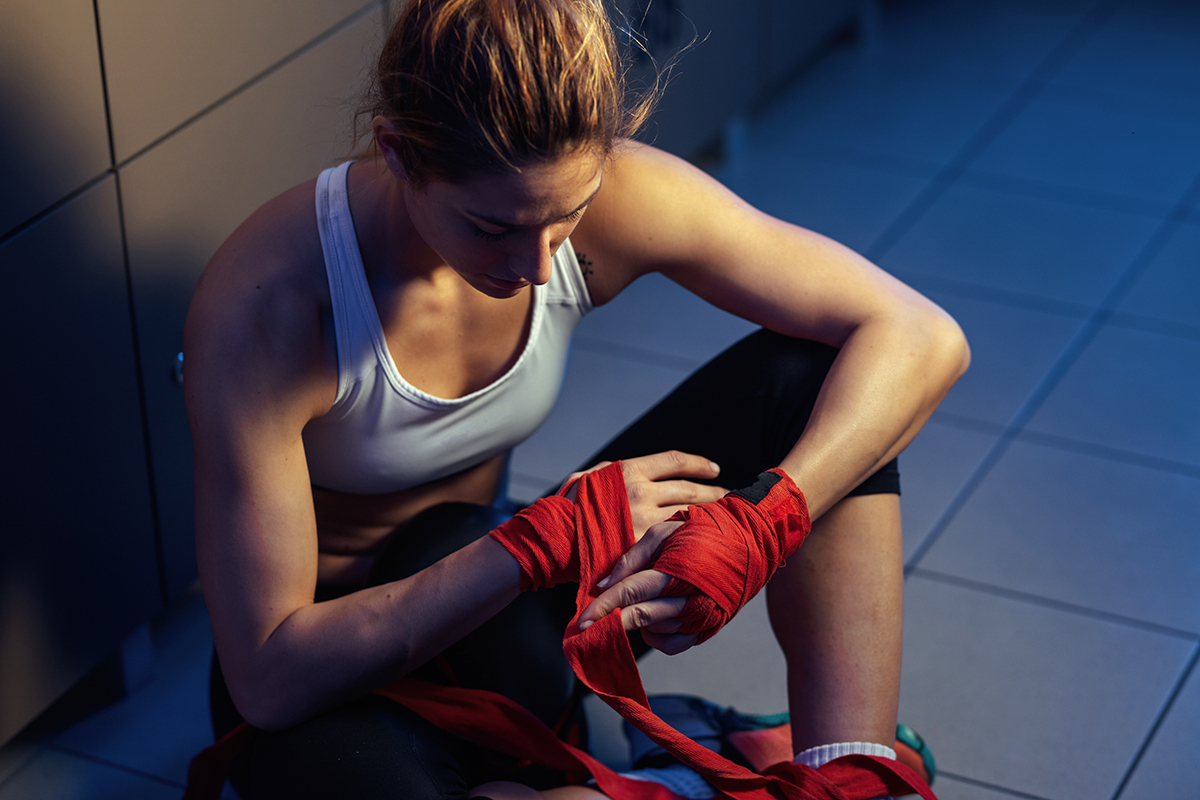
(387, 139)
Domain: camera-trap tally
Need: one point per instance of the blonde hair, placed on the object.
(488, 86)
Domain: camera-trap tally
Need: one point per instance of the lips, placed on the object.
(508, 286)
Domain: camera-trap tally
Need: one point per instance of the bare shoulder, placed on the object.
(259, 322)
(647, 214)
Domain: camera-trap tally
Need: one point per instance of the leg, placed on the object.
(837, 606)
(837, 611)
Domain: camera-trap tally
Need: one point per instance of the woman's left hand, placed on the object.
(656, 486)
(635, 589)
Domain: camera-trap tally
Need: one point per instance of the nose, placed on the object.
(533, 262)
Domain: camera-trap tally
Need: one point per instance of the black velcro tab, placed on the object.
(762, 486)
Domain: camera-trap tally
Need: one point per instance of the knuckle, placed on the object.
(676, 459)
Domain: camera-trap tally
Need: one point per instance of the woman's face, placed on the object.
(499, 232)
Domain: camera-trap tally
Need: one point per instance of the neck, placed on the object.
(393, 242)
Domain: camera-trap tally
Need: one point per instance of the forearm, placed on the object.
(889, 376)
(329, 652)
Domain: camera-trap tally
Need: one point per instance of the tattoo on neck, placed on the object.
(584, 264)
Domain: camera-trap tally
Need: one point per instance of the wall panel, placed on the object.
(167, 60)
(184, 197)
(78, 570)
(53, 134)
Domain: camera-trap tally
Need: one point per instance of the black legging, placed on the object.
(744, 409)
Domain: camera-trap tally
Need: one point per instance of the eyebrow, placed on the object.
(499, 223)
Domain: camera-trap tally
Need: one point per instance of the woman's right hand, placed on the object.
(657, 487)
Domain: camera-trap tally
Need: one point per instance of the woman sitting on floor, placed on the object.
(358, 376)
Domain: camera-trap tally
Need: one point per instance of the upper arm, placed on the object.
(255, 374)
(656, 213)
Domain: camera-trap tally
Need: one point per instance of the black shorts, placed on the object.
(745, 410)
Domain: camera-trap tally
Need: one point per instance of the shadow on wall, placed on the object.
(101, 255)
(78, 561)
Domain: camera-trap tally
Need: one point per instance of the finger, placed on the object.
(684, 493)
(641, 555)
(670, 644)
(666, 627)
(651, 612)
(635, 589)
(670, 464)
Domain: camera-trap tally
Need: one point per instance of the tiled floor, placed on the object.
(1034, 166)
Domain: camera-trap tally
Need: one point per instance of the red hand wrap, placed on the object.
(726, 551)
(545, 538)
(542, 540)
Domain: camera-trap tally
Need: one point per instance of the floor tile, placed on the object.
(933, 469)
(158, 728)
(1006, 40)
(1038, 247)
(59, 776)
(1170, 767)
(857, 103)
(1079, 529)
(1138, 66)
(1131, 390)
(850, 202)
(1108, 150)
(1011, 350)
(950, 788)
(601, 395)
(1169, 288)
(1180, 16)
(659, 316)
(1023, 697)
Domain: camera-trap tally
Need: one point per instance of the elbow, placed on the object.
(263, 704)
(953, 342)
(946, 354)
(268, 698)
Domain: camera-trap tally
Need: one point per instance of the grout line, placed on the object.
(143, 406)
(104, 762)
(1074, 348)
(57, 205)
(987, 133)
(993, 294)
(1162, 327)
(1162, 715)
(991, 786)
(966, 423)
(341, 26)
(1057, 605)
(112, 153)
(1109, 453)
(1063, 193)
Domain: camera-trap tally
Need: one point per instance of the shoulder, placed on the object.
(259, 321)
(653, 210)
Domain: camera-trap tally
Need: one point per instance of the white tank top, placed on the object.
(382, 433)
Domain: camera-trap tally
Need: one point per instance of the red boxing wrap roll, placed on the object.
(726, 551)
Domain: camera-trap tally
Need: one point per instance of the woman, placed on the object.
(357, 376)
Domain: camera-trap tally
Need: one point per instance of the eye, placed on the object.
(574, 215)
(490, 237)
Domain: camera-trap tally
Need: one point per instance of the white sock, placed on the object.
(824, 753)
